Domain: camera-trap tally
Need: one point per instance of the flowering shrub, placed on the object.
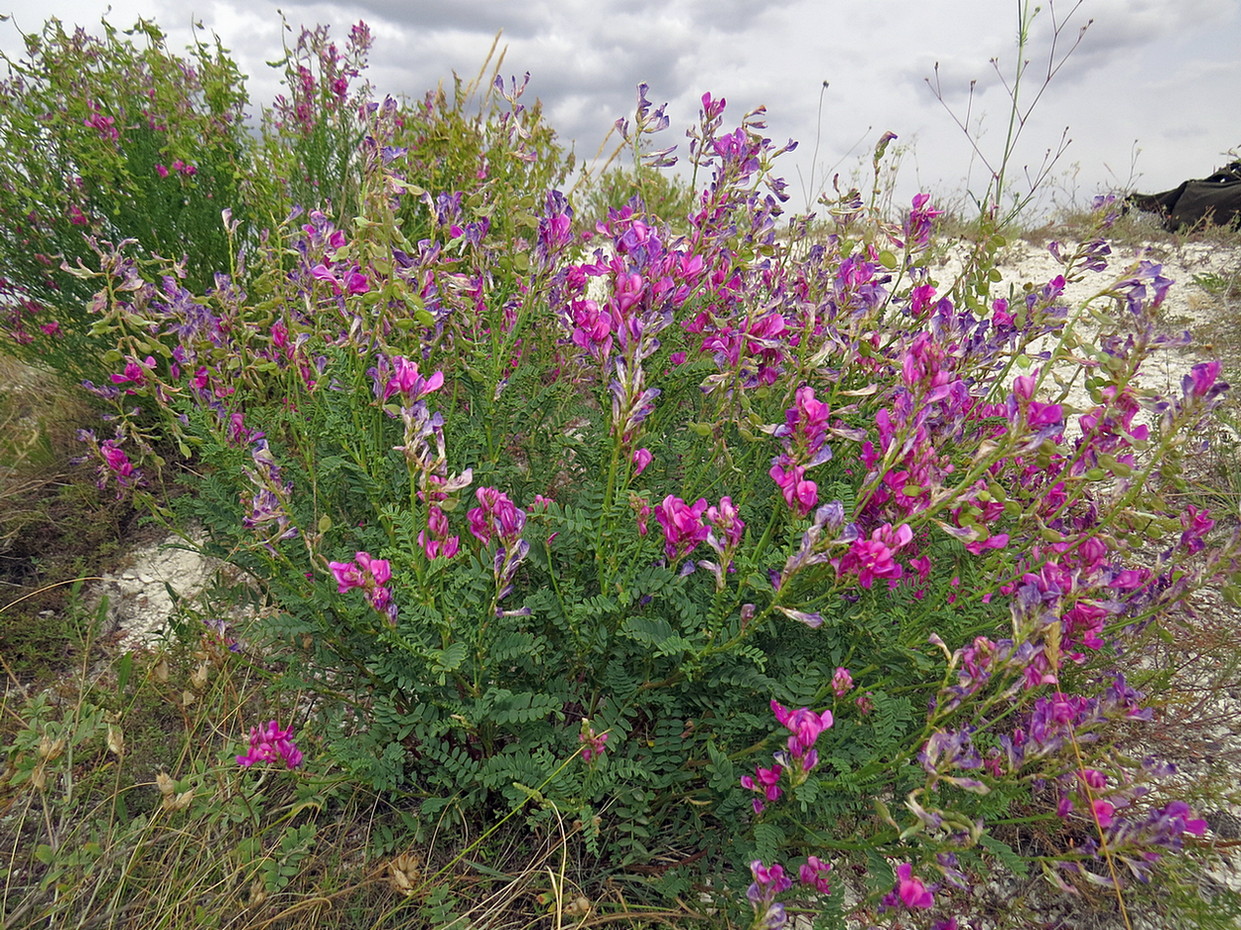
(110, 138)
(903, 541)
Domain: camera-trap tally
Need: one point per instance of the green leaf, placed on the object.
(450, 659)
(768, 838)
(1002, 851)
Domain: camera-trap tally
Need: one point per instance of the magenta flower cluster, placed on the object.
(771, 881)
(496, 517)
(593, 744)
(804, 433)
(269, 743)
(372, 576)
(797, 759)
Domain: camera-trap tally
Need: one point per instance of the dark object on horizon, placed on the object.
(1216, 199)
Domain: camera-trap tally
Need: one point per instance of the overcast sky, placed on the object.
(1151, 96)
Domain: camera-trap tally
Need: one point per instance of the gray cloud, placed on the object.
(1140, 59)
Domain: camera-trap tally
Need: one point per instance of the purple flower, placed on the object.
(769, 882)
(1195, 524)
(917, 230)
(1201, 382)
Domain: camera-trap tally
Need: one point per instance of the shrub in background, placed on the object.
(108, 139)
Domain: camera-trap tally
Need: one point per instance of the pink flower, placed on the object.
(435, 540)
(875, 557)
(1094, 778)
(726, 526)
(805, 426)
(379, 569)
(161, 171)
(842, 682)
(641, 458)
(804, 724)
(592, 327)
(593, 747)
(370, 574)
(270, 743)
(683, 526)
(104, 125)
(1103, 812)
(355, 282)
(408, 382)
(911, 890)
(642, 509)
(1195, 524)
(765, 782)
(347, 576)
(799, 494)
(135, 372)
(116, 459)
(814, 873)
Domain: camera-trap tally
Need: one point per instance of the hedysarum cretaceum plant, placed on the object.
(877, 615)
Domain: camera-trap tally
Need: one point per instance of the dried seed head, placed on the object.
(49, 748)
(404, 872)
(199, 679)
(116, 740)
(257, 893)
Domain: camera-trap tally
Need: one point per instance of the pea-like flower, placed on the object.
(269, 743)
(683, 526)
(372, 576)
